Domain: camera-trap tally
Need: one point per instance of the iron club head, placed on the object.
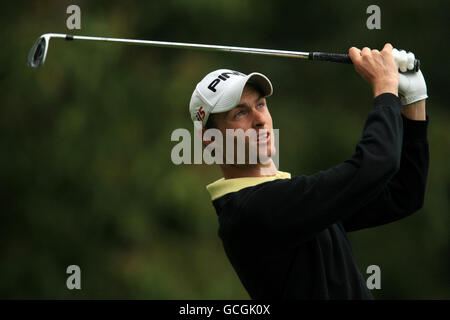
(38, 52)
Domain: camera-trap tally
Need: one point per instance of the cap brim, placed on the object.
(262, 82)
(233, 94)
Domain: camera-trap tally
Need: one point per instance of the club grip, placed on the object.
(344, 58)
(333, 57)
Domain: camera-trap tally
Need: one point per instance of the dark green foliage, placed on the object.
(85, 169)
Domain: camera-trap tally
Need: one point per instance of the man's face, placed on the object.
(251, 113)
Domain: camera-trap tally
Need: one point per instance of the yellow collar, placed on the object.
(223, 186)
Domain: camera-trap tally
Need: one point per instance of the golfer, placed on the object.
(286, 235)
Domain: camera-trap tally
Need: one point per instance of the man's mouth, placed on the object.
(263, 137)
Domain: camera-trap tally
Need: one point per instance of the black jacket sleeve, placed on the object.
(293, 210)
(405, 193)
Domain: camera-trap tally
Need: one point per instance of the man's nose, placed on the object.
(259, 120)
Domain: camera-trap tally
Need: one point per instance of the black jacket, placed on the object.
(286, 237)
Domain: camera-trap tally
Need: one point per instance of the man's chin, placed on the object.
(265, 153)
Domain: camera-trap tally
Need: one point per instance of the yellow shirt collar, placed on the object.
(223, 186)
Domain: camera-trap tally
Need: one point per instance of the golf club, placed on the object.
(38, 52)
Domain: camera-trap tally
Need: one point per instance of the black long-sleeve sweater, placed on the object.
(286, 236)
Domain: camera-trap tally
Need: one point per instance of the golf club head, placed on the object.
(38, 52)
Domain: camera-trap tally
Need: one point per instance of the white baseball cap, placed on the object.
(221, 90)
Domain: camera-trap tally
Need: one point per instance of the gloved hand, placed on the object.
(411, 85)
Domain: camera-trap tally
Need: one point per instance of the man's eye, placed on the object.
(238, 114)
(261, 105)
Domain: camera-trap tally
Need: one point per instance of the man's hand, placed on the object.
(412, 87)
(377, 68)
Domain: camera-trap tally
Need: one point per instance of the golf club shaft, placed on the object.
(207, 47)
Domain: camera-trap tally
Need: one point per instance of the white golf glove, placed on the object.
(411, 85)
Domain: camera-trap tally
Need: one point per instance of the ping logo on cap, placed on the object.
(223, 76)
(200, 114)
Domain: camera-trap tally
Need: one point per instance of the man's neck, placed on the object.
(231, 171)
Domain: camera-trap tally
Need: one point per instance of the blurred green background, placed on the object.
(86, 175)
